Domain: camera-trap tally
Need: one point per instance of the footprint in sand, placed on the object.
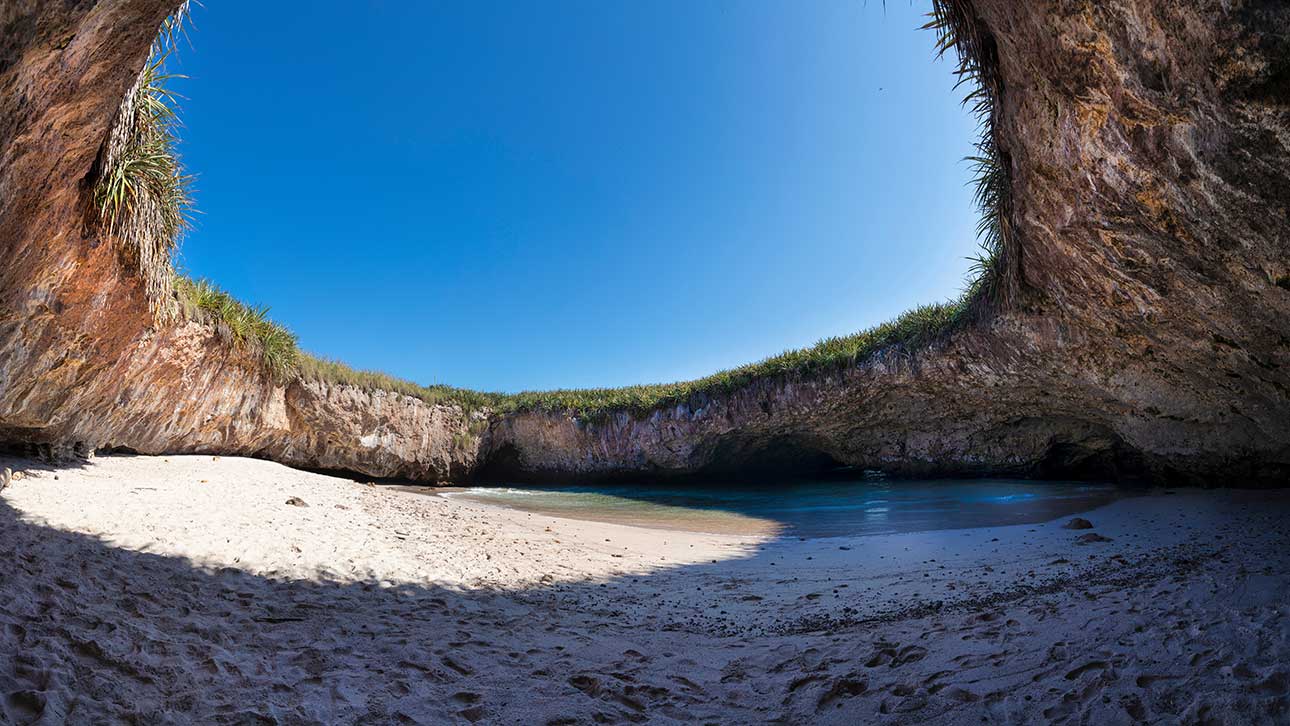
(1091, 666)
(1145, 681)
(890, 656)
(841, 689)
(466, 697)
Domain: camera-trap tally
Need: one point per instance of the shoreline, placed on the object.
(740, 526)
(186, 586)
(715, 515)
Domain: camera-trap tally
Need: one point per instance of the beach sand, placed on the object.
(188, 589)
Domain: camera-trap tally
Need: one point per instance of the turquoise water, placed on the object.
(810, 509)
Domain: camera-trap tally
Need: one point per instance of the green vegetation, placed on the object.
(989, 279)
(246, 326)
(911, 330)
(250, 328)
(143, 194)
(992, 275)
(313, 367)
(144, 200)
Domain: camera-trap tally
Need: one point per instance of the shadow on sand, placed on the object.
(90, 632)
(93, 633)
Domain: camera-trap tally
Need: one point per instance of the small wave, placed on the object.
(501, 492)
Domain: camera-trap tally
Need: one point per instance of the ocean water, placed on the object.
(808, 509)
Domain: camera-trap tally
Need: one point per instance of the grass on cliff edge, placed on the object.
(250, 328)
(246, 326)
(910, 330)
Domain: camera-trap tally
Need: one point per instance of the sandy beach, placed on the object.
(222, 590)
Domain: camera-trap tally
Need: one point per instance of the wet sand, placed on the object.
(183, 589)
(673, 519)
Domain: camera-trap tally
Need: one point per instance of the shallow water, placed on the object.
(809, 509)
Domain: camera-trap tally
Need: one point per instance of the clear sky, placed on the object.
(513, 195)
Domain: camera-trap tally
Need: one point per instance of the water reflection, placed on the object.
(810, 509)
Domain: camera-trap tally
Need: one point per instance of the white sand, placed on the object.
(185, 589)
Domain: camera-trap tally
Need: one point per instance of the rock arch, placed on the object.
(1148, 149)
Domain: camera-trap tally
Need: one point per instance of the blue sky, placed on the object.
(530, 195)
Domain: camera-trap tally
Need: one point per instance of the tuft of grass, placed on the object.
(247, 326)
(142, 193)
(994, 270)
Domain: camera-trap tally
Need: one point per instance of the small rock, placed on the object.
(297, 502)
(1090, 538)
(5, 477)
(1078, 523)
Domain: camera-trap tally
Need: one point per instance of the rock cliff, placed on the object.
(82, 366)
(1147, 144)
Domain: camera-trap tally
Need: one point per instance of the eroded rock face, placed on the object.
(1149, 151)
(1149, 143)
(186, 390)
(81, 366)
